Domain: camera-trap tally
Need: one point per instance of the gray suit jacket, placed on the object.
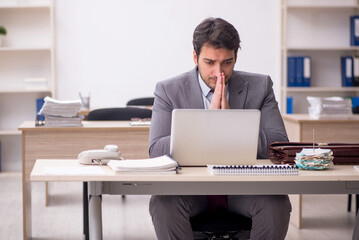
(246, 91)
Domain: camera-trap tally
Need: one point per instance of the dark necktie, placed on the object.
(217, 202)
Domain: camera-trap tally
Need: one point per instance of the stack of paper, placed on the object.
(61, 113)
(314, 159)
(331, 107)
(54, 121)
(159, 165)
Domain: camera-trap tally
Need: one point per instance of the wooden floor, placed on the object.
(324, 216)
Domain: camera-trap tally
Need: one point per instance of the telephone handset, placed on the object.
(100, 156)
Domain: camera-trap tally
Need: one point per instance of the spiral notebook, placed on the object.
(270, 169)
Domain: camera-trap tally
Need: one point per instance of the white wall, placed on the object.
(118, 50)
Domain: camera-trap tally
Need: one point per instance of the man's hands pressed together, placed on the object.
(219, 100)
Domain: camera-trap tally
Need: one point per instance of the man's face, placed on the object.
(212, 61)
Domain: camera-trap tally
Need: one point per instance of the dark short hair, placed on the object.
(216, 32)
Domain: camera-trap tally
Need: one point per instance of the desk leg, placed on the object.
(46, 194)
(95, 214)
(356, 228)
(85, 210)
(296, 215)
(26, 208)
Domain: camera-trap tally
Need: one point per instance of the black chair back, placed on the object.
(118, 114)
(141, 102)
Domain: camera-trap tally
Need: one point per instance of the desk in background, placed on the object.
(68, 142)
(300, 129)
(196, 181)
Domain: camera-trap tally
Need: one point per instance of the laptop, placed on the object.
(202, 137)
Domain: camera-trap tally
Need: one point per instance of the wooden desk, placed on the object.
(196, 181)
(68, 142)
(300, 129)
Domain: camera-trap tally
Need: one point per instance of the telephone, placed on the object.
(100, 156)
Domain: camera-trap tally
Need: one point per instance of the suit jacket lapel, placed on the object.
(238, 88)
(192, 91)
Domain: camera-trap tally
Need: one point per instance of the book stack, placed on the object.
(159, 165)
(61, 113)
(331, 107)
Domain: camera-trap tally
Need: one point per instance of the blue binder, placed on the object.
(289, 105)
(307, 71)
(39, 103)
(355, 102)
(347, 71)
(354, 30)
(291, 71)
(299, 72)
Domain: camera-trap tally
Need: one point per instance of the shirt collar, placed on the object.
(205, 89)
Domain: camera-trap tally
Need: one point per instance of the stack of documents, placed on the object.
(331, 107)
(314, 159)
(159, 165)
(61, 113)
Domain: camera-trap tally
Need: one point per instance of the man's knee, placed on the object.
(163, 205)
(274, 215)
(282, 202)
(278, 204)
(272, 204)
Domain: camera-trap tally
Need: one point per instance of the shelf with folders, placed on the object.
(319, 31)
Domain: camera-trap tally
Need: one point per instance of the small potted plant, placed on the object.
(2, 34)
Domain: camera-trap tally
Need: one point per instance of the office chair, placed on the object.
(109, 114)
(221, 224)
(118, 114)
(141, 102)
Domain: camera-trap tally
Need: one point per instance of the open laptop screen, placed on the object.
(202, 137)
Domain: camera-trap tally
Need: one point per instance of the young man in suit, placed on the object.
(213, 84)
